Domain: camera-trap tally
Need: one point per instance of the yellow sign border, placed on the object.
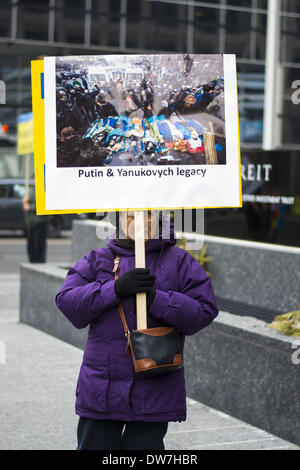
(37, 68)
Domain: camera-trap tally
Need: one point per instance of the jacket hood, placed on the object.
(166, 238)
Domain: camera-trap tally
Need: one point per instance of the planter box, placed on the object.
(244, 368)
(249, 278)
(39, 286)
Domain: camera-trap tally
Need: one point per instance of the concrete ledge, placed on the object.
(241, 367)
(88, 235)
(252, 273)
(237, 365)
(39, 286)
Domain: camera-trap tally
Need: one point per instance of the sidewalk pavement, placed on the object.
(37, 395)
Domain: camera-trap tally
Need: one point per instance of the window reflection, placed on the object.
(292, 6)
(290, 30)
(251, 102)
(5, 20)
(114, 11)
(158, 26)
(272, 216)
(164, 27)
(290, 115)
(238, 26)
(259, 30)
(69, 21)
(206, 30)
(28, 27)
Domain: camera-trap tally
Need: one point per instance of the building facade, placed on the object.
(262, 33)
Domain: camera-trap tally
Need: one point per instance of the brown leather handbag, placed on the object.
(154, 351)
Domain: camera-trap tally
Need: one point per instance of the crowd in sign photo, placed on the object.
(138, 110)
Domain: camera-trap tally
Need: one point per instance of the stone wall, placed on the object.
(244, 368)
(258, 274)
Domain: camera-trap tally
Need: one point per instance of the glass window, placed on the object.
(259, 4)
(3, 190)
(114, 11)
(26, 86)
(290, 47)
(164, 14)
(5, 19)
(69, 21)
(205, 18)
(9, 160)
(237, 21)
(74, 8)
(240, 3)
(11, 72)
(206, 29)
(163, 29)
(95, 10)
(28, 26)
(260, 36)
(105, 23)
(17, 191)
(290, 114)
(238, 27)
(262, 4)
(133, 10)
(291, 6)
(160, 43)
(271, 201)
(31, 5)
(113, 39)
(16, 73)
(251, 102)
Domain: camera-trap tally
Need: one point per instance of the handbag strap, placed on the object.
(122, 314)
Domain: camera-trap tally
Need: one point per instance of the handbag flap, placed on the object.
(158, 331)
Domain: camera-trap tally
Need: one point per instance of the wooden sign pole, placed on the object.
(141, 300)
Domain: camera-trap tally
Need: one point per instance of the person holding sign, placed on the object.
(117, 408)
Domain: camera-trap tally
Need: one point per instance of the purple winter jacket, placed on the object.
(107, 387)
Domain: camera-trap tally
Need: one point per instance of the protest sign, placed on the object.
(25, 134)
(136, 132)
(37, 89)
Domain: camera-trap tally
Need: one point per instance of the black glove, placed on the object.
(136, 280)
(150, 298)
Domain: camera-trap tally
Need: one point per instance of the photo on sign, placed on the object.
(140, 110)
